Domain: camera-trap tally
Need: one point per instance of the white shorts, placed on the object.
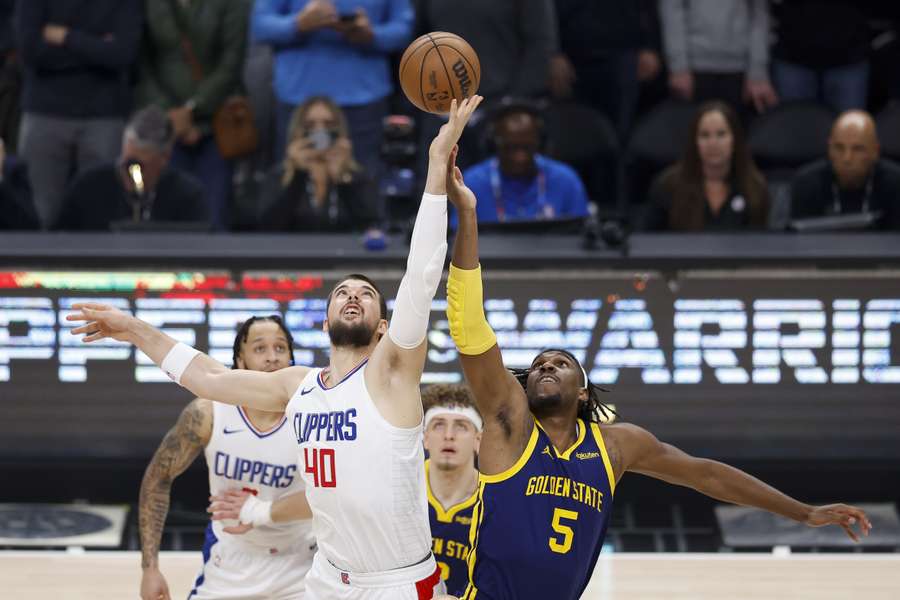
(421, 581)
(234, 572)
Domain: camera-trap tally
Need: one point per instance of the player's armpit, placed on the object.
(179, 448)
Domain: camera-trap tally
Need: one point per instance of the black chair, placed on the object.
(658, 140)
(586, 140)
(888, 124)
(783, 140)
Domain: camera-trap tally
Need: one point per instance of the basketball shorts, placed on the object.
(235, 572)
(417, 582)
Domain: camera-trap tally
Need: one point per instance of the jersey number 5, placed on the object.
(320, 463)
(561, 546)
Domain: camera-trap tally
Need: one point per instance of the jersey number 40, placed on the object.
(320, 464)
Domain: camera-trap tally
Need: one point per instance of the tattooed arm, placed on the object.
(179, 448)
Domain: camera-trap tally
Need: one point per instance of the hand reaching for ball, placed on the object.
(450, 132)
(459, 195)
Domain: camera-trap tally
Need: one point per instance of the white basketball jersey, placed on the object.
(365, 478)
(265, 462)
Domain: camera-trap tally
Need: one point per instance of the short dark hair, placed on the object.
(244, 331)
(151, 128)
(382, 303)
(449, 395)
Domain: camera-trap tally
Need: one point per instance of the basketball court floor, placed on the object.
(116, 576)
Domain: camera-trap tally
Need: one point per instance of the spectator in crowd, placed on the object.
(339, 50)
(514, 42)
(140, 186)
(191, 63)
(853, 179)
(77, 57)
(716, 186)
(821, 52)
(606, 49)
(319, 186)
(519, 183)
(16, 209)
(718, 49)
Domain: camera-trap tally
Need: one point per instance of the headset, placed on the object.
(507, 106)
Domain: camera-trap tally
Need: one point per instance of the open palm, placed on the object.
(101, 321)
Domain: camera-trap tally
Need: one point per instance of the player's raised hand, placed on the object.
(450, 132)
(461, 196)
(227, 506)
(101, 321)
(154, 586)
(840, 514)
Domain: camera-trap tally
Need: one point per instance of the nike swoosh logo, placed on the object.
(305, 392)
(227, 431)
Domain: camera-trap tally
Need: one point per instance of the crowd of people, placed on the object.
(118, 114)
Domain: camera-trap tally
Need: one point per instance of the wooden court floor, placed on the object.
(116, 576)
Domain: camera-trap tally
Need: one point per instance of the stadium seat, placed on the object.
(585, 139)
(658, 140)
(888, 124)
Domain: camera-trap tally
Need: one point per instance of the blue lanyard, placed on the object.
(546, 210)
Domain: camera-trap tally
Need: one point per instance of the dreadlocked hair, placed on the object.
(592, 409)
(449, 395)
(244, 331)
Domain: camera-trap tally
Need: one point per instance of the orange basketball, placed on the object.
(438, 67)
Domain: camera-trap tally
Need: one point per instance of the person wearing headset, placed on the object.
(518, 183)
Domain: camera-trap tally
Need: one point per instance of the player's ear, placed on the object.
(477, 442)
(382, 327)
(325, 325)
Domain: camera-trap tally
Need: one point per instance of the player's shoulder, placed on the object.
(626, 434)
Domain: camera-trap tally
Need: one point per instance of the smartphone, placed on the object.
(347, 18)
(321, 139)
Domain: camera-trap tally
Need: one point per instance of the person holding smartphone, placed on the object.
(319, 185)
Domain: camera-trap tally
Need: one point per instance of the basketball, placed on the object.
(438, 67)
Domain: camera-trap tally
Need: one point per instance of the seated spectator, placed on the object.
(319, 186)
(853, 179)
(718, 50)
(821, 52)
(16, 209)
(336, 49)
(716, 186)
(519, 183)
(77, 60)
(119, 191)
(192, 62)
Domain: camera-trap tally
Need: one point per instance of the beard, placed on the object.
(358, 335)
(544, 404)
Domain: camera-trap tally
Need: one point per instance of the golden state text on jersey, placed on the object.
(538, 527)
(450, 538)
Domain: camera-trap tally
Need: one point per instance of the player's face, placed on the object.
(266, 348)
(715, 141)
(452, 442)
(554, 383)
(354, 314)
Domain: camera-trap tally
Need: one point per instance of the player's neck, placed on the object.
(453, 486)
(562, 430)
(343, 359)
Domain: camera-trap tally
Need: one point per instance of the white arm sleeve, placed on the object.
(427, 252)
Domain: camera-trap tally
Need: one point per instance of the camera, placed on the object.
(399, 153)
(322, 139)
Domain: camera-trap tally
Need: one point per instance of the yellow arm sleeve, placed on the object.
(465, 312)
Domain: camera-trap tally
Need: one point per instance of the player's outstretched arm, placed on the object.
(404, 348)
(192, 369)
(180, 446)
(236, 504)
(499, 396)
(641, 452)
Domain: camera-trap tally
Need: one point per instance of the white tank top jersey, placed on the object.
(365, 478)
(239, 455)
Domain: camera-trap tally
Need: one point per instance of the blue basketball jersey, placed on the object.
(539, 526)
(450, 538)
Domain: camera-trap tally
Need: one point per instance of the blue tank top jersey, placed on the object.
(539, 526)
(450, 530)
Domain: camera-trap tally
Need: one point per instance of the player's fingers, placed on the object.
(849, 531)
(89, 327)
(457, 174)
(94, 337)
(76, 316)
